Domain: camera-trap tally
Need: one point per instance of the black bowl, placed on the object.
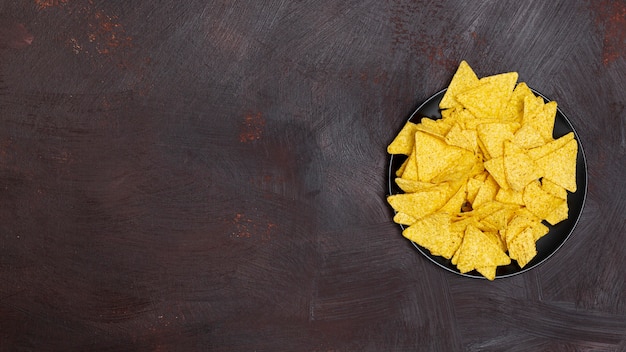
(557, 235)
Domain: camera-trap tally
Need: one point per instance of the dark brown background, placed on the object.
(210, 175)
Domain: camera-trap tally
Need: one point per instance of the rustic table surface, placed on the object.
(210, 175)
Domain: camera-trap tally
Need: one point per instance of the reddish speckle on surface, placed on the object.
(611, 20)
(247, 228)
(108, 34)
(42, 4)
(252, 127)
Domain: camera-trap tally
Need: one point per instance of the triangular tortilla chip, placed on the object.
(560, 166)
(433, 155)
(404, 140)
(403, 219)
(548, 148)
(528, 137)
(487, 101)
(538, 201)
(523, 248)
(420, 204)
(410, 186)
(495, 167)
(433, 233)
(463, 79)
(493, 135)
(477, 251)
(519, 168)
(462, 138)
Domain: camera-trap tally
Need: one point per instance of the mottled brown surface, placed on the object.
(210, 175)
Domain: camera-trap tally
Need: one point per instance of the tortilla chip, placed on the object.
(420, 204)
(559, 166)
(519, 168)
(463, 79)
(433, 233)
(404, 140)
(523, 249)
(433, 155)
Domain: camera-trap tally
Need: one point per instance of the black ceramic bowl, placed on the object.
(557, 235)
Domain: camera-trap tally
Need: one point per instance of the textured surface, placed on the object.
(210, 175)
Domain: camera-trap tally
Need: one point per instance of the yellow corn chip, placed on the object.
(495, 167)
(528, 137)
(515, 109)
(410, 186)
(420, 204)
(400, 170)
(539, 230)
(493, 136)
(477, 250)
(489, 272)
(404, 140)
(519, 168)
(523, 248)
(486, 193)
(487, 101)
(433, 233)
(403, 219)
(538, 201)
(433, 155)
(480, 181)
(510, 196)
(462, 138)
(553, 188)
(463, 79)
(559, 214)
(539, 152)
(455, 203)
(559, 166)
